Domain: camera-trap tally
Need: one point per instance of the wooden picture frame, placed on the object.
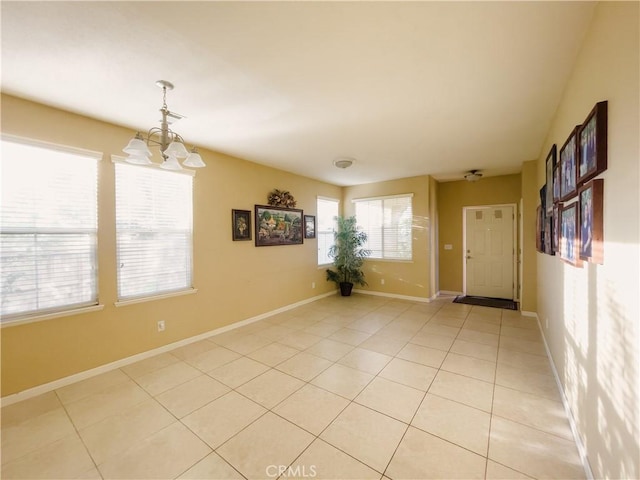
(278, 226)
(240, 225)
(539, 229)
(556, 227)
(592, 144)
(569, 166)
(550, 169)
(590, 199)
(556, 183)
(309, 226)
(569, 238)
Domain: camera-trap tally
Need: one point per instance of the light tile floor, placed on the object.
(342, 388)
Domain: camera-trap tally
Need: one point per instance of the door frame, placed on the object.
(514, 290)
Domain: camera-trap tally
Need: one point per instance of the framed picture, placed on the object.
(543, 200)
(278, 226)
(556, 227)
(569, 234)
(539, 229)
(309, 226)
(592, 144)
(590, 198)
(556, 183)
(241, 224)
(551, 165)
(569, 167)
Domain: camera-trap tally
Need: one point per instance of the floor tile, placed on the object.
(300, 340)
(526, 361)
(371, 322)
(424, 456)
(304, 366)
(191, 395)
(383, 344)
(275, 332)
(427, 339)
(444, 330)
(239, 371)
(463, 389)
(312, 408)
(196, 348)
(269, 442)
(148, 365)
(409, 373)
(351, 337)
(28, 409)
(532, 410)
(167, 377)
(330, 349)
(430, 357)
(92, 385)
(165, 454)
(465, 426)
(321, 461)
(469, 366)
(527, 381)
(535, 453)
(63, 458)
(322, 329)
(495, 471)
(532, 335)
(117, 433)
(345, 381)
(391, 398)
(212, 467)
(273, 354)
(475, 350)
(479, 337)
(248, 343)
(219, 420)
(480, 326)
(520, 345)
(270, 388)
(365, 360)
(212, 358)
(369, 436)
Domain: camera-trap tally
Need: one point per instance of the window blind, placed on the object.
(154, 217)
(327, 209)
(48, 229)
(387, 222)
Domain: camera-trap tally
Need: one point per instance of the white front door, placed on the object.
(489, 247)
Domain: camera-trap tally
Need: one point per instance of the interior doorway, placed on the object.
(489, 251)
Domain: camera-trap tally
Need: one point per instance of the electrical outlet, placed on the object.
(313, 284)
(161, 325)
(382, 281)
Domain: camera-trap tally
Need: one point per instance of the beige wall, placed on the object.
(530, 202)
(451, 198)
(400, 278)
(590, 315)
(235, 280)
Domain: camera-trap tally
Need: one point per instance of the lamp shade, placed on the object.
(137, 147)
(194, 160)
(176, 149)
(171, 163)
(138, 160)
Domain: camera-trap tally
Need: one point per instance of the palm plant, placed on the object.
(348, 255)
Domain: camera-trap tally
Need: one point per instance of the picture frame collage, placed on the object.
(272, 225)
(569, 220)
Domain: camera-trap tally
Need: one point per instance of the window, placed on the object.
(387, 222)
(48, 229)
(327, 211)
(154, 216)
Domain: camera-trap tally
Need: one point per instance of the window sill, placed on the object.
(49, 316)
(179, 293)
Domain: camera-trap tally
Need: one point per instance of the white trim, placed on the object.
(394, 295)
(63, 382)
(383, 197)
(178, 293)
(48, 316)
(123, 160)
(582, 451)
(8, 137)
(525, 313)
(448, 292)
(328, 199)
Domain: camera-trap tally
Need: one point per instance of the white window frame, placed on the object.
(322, 234)
(91, 303)
(185, 289)
(367, 228)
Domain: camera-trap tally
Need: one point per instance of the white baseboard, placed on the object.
(76, 377)
(449, 292)
(524, 313)
(582, 451)
(393, 295)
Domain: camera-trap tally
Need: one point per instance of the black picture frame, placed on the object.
(240, 225)
(309, 226)
(550, 169)
(590, 198)
(278, 226)
(569, 166)
(569, 236)
(592, 144)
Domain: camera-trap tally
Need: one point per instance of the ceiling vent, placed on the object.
(343, 162)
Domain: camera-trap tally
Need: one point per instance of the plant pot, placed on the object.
(345, 289)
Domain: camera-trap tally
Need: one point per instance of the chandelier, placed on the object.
(171, 144)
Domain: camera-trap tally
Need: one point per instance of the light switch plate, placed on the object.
(448, 246)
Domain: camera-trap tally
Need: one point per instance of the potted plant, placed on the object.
(348, 255)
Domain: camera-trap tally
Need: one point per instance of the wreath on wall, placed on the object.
(281, 198)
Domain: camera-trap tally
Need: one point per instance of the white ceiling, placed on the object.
(406, 88)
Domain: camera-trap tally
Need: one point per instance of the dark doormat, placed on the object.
(487, 302)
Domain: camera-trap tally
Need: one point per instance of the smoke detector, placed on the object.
(473, 176)
(343, 162)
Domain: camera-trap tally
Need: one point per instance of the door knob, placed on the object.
(468, 257)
